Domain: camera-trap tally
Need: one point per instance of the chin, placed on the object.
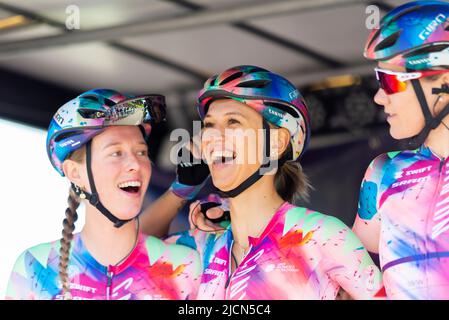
(395, 135)
(128, 213)
(398, 135)
(223, 183)
(219, 184)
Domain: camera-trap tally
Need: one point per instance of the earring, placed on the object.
(79, 191)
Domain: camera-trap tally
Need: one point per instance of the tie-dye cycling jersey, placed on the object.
(153, 270)
(405, 198)
(301, 254)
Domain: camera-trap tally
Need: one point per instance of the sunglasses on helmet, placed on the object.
(134, 111)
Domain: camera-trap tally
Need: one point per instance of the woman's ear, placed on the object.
(445, 79)
(279, 141)
(72, 171)
(443, 97)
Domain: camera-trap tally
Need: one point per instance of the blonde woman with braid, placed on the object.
(98, 141)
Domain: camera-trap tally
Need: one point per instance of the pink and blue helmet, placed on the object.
(81, 119)
(274, 97)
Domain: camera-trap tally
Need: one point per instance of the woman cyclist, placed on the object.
(271, 249)
(98, 142)
(403, 212)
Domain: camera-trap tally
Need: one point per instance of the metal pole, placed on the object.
(200, 19)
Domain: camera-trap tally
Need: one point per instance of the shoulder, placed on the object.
(310, 221)
(383, 170)
(186, 238)
(195, 239)
(160, 249)
(328, 231)
(182, 259)
(379, 168)
(383, 160)
(303, 226)
(31, 271)
(38, 254)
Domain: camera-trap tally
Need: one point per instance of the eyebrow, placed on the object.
(112, 144)
(230, 113)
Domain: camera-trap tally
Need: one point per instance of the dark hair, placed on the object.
(68, 227)
(291, 182)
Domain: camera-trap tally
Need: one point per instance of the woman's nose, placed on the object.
(132, 163)
(381, 97)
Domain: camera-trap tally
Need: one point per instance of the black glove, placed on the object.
(191, 175)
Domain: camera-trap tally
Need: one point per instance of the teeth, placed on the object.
(219, 154)
(129, 184)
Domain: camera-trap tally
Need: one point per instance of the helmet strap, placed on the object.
(431, 122)
(266, 163)
(93, 197)
(443, 113)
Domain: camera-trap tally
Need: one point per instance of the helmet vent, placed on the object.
(282, 107)
(388, 42)
(65, 135)
(376, 35)
(89, 113)
(254, 84)
(427, 49)
(212, 81)
(256, 69)
(109, 102)
(231, 77)
(91, 97)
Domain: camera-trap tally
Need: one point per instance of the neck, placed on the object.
(106, 243)
(438, 139)
(252, 210)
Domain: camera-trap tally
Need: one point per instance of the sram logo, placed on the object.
(439, 19)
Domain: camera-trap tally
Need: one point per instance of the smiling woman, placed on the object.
(271, 249)
(97, 142)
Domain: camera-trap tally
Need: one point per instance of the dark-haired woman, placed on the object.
(256, 126)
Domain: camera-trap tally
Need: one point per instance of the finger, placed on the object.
(194, 209)
(203, 223)
(195, 146)
(214, 213)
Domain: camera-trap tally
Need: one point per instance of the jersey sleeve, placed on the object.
(368, 220)
(30, 275)
(348, 262)
(19, 285)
